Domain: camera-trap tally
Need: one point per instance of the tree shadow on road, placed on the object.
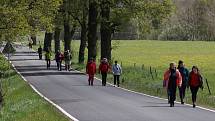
(30, 59)
(24, 55)
(51, 73)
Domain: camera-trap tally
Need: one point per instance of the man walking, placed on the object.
(59, 59)
(103, 69)
(48, 56)
(67, 58)
(185, 75)
(40, 52)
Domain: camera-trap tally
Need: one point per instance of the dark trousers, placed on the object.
(104, 78)
(48, 62)
(194, 91)
(40, 56)
(59, 65)
(91, 79)
(182, 91)
(172, 94)
(116, 80)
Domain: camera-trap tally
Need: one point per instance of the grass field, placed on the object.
(137, 57)
(157, 55)
(21, 103)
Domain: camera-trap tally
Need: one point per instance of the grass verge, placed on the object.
(21, 103)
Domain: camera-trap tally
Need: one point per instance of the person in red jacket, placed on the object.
(103, 69)
(91, 70)
(172, 80)
(195, 82)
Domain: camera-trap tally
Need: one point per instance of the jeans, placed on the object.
(194, 91)
(59, 65)
(116, 80)
(48, 61)
(182, 91)
(91, 79)
(104, 78)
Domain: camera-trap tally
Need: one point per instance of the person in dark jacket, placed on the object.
(91, 70)
(185, 75)
(40, 52)
(59, 58)
(172, 80)
(103, 69)
(195, 82)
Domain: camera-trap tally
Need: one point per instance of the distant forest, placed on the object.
(190, 20)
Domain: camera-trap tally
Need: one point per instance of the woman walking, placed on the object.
(91, 70)
(195, 82)
(172, 79)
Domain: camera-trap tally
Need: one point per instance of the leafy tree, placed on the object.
(23, 17)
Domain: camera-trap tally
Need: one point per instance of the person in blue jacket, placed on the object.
(185, 76)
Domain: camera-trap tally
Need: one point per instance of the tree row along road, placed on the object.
(70, 91)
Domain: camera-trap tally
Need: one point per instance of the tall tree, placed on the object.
(80, 14)
(92, 29)
(26, 17)
(105, 30)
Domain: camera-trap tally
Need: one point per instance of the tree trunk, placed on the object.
(83, 36)
(67, 36)
(57, 39)
(105, 30)
(47, 41)
(92, 29)
(34, 39)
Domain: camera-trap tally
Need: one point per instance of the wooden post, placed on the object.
(156, 74)
(151, 72)
(143, 67)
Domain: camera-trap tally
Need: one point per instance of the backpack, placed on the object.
(90, 68)
(104, 67)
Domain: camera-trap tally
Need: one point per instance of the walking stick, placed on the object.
(206, 80)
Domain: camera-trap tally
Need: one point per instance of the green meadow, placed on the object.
(137, 56)
(21, 103)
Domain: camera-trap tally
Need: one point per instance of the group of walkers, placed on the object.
(103, 69)
(175, 77)
(59, 58)
(180, 77)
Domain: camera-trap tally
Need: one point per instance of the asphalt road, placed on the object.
(70, 91)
